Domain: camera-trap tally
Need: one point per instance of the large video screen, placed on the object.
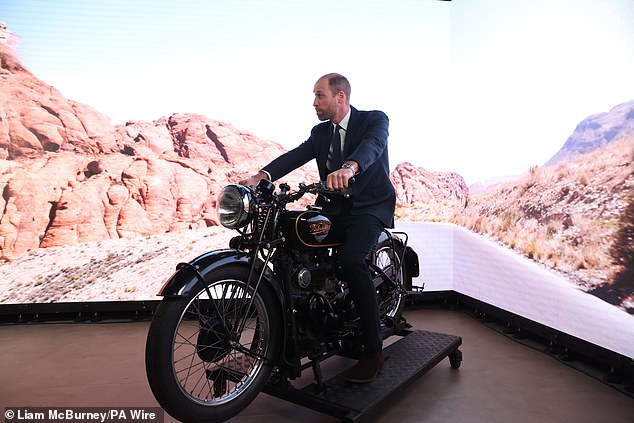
(120, 122)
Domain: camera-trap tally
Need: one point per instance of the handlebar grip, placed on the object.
(346, 192)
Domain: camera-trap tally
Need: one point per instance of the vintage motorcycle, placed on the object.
(267, 308)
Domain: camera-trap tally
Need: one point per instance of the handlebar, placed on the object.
(320, 188)
(266, 190)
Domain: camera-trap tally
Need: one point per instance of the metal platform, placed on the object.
(405, 361)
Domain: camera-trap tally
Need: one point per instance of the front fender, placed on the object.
(184, 278)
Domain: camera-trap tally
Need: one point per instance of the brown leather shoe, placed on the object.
(367, 369)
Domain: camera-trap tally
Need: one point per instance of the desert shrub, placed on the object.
(583, 179)
(533, 177)
(622, 249)
(508, 220)
(562, 171)
(511, 242)
(478, 224)
(554, 226)
(532, 250)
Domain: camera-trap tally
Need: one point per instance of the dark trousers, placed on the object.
(362, 233)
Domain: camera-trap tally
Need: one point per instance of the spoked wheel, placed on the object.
(209, 354)
(391, 296)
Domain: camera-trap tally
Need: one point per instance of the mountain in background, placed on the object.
(597, 131)
(574, 215)
(591, 133)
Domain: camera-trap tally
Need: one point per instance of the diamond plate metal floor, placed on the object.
(405, 361)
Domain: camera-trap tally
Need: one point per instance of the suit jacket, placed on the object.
(366, 144)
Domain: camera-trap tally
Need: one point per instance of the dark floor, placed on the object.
(500, 380)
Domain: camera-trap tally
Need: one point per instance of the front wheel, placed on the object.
(210, 353)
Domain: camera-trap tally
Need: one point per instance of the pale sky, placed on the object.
(484, 88)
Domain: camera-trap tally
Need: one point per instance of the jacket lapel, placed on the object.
(351, 132)
(324, 146)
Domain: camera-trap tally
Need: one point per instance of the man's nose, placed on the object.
(315, 104)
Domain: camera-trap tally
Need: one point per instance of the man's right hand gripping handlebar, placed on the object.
(339, 179)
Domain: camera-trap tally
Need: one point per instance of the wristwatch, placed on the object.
(349, 166)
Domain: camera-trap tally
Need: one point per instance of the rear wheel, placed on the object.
(209, 354)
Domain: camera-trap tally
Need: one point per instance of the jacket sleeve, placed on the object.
(291, 160)
(373, 142)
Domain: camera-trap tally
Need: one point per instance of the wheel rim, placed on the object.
(386, 260)
(234, 362)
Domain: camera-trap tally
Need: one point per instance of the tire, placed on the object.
(194, 369)
(391, 297)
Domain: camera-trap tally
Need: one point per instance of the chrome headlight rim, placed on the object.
(234, 206)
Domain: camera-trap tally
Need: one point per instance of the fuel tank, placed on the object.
(306, 229)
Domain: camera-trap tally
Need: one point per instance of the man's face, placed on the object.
(325, 103)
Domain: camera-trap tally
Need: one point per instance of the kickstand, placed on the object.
(319, 378)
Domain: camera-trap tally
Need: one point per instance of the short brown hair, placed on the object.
(338, 82)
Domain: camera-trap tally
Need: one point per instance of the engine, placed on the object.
(315, 271)
(322, 302)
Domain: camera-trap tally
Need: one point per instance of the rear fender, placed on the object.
(411, 262)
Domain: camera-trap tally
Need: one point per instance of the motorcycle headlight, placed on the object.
(233, 206)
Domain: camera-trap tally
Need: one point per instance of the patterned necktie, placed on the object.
(334, 154)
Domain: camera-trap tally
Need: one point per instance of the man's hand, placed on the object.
(339, 179)
(254, 180)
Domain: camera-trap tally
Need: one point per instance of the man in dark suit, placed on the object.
(350, 143)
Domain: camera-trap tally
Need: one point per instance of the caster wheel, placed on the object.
(455, 359)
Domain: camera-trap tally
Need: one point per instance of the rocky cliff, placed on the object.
(68, 175)
(417, 186)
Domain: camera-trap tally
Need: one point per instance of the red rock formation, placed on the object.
(68, 175)
(36, 117)
(416, 186)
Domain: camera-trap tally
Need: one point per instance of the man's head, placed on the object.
(332, 97)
